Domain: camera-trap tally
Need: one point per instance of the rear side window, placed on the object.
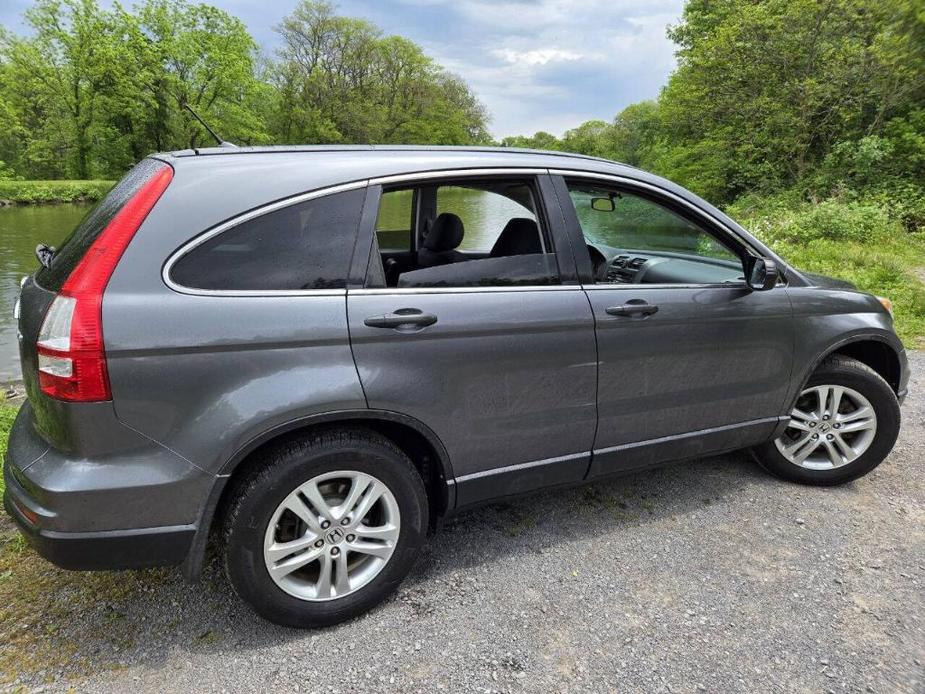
(304, 246)
(75, 246)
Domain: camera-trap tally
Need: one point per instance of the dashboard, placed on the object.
(616, 266)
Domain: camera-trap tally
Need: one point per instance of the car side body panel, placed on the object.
(205, 375)
(711, 359)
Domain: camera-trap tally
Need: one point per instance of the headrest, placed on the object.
(520, 236)
(445, 234)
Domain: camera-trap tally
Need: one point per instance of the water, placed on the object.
(22, 228)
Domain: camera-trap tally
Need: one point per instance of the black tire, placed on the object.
(282, 469)
(843, 371)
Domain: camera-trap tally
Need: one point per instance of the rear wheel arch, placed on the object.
(412, 437)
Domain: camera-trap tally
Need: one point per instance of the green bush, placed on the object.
(830, 220)
(53, 191)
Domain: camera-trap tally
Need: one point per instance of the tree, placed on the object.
(539, 140)
(196, 55)
(55, 82)
(764, 91)
(340, 80)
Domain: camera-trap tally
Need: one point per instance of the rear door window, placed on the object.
(307, 245)
(478, 234)
(76, 245)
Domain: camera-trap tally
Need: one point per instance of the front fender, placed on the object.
(827, 320)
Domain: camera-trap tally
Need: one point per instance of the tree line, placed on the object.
(90, 91)
(820, 97)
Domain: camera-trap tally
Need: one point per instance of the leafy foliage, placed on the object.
(823, 97)
(341, 80)
(53, 191)
(91, 91)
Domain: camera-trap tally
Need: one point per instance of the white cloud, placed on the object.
(553, 64)
(536, 57)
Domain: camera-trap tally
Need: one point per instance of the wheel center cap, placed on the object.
(825, 427)
(334, 536)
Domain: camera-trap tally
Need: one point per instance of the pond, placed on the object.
(22, 228)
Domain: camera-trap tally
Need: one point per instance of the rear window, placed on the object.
(76, 245)
(304, 246)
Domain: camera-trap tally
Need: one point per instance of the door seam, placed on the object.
(353, 356)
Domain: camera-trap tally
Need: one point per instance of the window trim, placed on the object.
(189, 246)
(376, 291)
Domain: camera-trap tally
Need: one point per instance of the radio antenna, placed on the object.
(221, 142)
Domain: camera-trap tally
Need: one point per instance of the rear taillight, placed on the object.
(72, 361)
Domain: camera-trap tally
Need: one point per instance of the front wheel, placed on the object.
(325, 528)
(843, 425)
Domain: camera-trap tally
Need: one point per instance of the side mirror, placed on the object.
(603, 204)
(761, 274)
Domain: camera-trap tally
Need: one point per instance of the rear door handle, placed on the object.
(633, 307)
(402, 318)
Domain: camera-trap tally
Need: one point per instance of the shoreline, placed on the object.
(17, 193)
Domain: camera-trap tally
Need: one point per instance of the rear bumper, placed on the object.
(137, 508)
(105, 549)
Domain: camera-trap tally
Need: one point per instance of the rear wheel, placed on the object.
(843, 425)
(326, 528)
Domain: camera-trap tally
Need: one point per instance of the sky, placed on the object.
(535, 64)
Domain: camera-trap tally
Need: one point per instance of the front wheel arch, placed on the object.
(876, 350)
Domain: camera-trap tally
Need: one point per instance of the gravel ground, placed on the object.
(705, 576)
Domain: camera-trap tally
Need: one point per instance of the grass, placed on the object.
(7, 415)
(32, 192)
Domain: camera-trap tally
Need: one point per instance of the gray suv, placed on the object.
(314, 354)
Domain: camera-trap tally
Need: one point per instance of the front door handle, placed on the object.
(633, 307)
(402, 318)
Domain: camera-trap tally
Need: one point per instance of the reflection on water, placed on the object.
(483, 215)
(22, 228)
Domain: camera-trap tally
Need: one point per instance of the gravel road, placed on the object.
(704, 576)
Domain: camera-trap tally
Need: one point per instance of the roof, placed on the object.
(279, 149)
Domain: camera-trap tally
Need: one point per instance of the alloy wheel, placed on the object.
(830, 426)
(331, 535)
